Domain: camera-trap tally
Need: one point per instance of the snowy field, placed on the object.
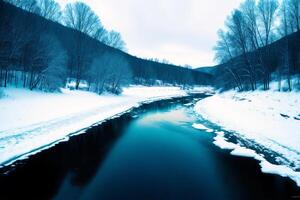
(32, 121)
(270, 119)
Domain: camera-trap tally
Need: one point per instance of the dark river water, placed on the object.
(150, 153)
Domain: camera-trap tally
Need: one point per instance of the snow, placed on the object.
(282, 170)
(200, 126)
(244, 152)
(71, 84)
(266, 167)
(221, 142)
(32, 121)
(268, 118)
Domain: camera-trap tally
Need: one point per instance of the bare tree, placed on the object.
(223, 48)
(110, 72)
(238, 34)
(100, 34)
(46, 61)
(28, 5)
(115, 40)
(286, 20)
(13, 36)
(120, 73)
(267, 14)
(49, 9)
(80, 17)
(99, 73)
(267, 10)
(224, 54)
(55, 72)
(250, 12)
(294, 11)
(285, 29)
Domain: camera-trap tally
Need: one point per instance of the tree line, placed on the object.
(37, 52)
(77, 15)
(33, 57)
(260, 43)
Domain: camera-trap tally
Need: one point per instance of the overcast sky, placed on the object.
(181, 31)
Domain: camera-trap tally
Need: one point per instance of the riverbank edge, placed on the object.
(83, 130)
(207, 111)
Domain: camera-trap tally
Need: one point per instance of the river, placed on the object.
(153, 152)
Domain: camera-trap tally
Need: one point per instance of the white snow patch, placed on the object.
(202, 127)
(281, 170)
(199, 126)
(267, 167)
(269, 118)
(222, 143)
(244, 152)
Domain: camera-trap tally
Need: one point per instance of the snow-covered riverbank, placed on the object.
(270, 119)
(31, 121)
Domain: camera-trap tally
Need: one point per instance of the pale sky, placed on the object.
(181, 31)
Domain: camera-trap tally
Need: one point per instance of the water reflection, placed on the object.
(175, 116)
(153, 161)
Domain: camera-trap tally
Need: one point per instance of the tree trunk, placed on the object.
(24, 79)
(5, 78)
(1, 75)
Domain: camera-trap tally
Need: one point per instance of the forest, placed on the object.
(260, 44)
(44, 47)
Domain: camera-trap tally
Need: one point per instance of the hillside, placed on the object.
(280, 59)
(207, 70)
(143, 71)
